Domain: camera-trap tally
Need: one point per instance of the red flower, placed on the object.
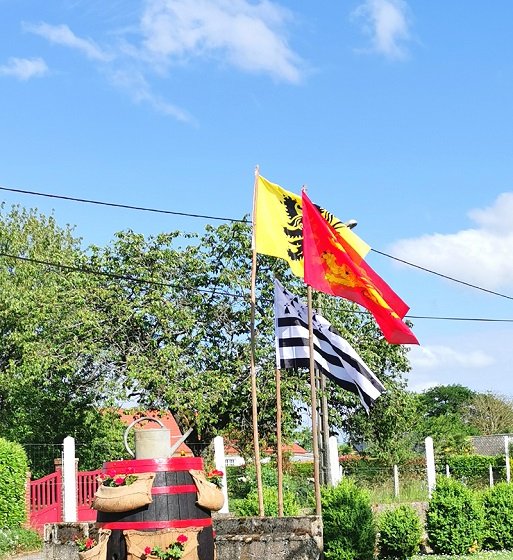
(216, 472)
(119, 480)
(90, 543)
(182, 539)
(147, 550)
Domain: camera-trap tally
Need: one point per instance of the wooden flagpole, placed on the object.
(254, 406)
(279, 451)
(313, 391)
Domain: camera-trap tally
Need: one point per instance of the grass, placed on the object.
(18, 540)
(503, 555)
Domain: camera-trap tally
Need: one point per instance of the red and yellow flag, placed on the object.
(278, 225)
(332, 265)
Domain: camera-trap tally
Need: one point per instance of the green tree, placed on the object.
(491, 414)
(444, 411)
(163, 323)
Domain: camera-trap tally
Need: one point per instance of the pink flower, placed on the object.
(119, 480)
(147, 550)
(182, 539)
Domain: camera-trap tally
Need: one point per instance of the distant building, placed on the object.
(296, 453)
(491, 445)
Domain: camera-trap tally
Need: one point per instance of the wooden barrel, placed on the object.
(173, 505)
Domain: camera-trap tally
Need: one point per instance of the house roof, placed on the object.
(128, 416)
(295, 449)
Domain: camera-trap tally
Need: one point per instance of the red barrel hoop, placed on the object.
(173, 506)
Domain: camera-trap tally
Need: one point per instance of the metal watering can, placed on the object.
(153, 443)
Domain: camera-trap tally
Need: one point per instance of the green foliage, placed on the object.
(242, 490)
(400, 533)
(491, 414)
(388, 431)
(349, 528)
(454, 519)
(498, 517)
(248, 506)
(13, 477)
(15, 540)
(83, 343)
(473, 470)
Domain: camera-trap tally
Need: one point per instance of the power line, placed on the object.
(442, 275)
(97, 272)
(118, 205)
(139, 280)
(209, 217)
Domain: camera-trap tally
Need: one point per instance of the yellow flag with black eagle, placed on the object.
(278, 226)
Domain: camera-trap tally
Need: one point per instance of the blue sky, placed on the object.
(396, 113)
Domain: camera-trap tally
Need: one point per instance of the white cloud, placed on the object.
(443, 357)
(480, 255)
(387, 24)
(62, 35)
(141, 92)
(24, 68)
(247, 35)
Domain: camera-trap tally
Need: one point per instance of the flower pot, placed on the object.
(209, 495)
(125, 498)
(137, 541)
(98, 552)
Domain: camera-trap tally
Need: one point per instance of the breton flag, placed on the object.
(333, 355)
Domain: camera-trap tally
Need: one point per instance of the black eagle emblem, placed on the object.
(294, 229)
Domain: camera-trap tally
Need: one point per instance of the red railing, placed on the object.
(46, 500)
(87, 485)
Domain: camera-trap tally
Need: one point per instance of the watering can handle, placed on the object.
(125, 438)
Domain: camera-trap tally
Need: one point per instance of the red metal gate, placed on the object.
(46, 498)
(87, 484)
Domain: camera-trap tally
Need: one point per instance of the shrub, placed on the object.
(473, 470)
(498, 510)
(16, 540)
(248, 506)
(400, 533)
(349, 529)
(13, 477)
(454, 519)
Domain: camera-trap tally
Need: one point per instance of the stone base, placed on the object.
(237, 538)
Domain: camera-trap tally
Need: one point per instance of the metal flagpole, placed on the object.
(256, 445)
(313, 391)
(279, 451)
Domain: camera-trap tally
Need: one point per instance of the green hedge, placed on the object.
(473, 470)
(13, 478)
(454, 518)
(349, 527)
(498, 524)
(400, 533)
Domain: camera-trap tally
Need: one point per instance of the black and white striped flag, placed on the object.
(333, 355)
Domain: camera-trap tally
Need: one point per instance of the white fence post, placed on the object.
(447, 471)
(396, 481)
(334, 465)
(430, 465)
(506, 452)
(490, 472)
(69, 480)
(220, 463)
